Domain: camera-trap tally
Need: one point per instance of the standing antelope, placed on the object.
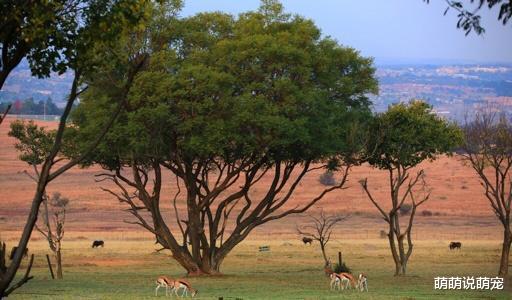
(166, 282)
(185, 285)
(362, 282)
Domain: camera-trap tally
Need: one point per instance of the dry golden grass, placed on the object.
(127, 266)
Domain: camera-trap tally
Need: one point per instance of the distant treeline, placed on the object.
(30, 107)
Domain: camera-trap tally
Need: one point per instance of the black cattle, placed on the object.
(455, 245)
(96, 244)
(13, 250)
(307, 240)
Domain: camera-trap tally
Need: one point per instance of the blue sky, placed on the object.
(391, 30)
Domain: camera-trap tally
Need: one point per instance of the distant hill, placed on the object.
(451, 88)
(21, 85)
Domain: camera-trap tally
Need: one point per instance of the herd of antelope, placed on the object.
(174, 285)
(342, 281)
(339, 281)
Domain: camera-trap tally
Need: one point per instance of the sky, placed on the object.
(392, 31)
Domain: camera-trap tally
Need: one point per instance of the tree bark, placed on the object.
(50, 266)
(59, 264)
(505, 252)
(322, 247)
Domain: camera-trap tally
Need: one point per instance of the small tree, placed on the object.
(320, 229)
(488, 150)
(54, 237)
(399, 140)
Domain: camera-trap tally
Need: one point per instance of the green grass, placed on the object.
(127, 270)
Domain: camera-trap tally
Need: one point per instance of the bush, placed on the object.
(341, 268)
(426, 213)
(327, 178)
(405, 209)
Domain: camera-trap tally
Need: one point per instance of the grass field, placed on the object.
(127, 270)
(128, 266)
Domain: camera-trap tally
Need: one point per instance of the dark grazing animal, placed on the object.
(99, 243)
(13, 250)
(455, 245)
(307, 240)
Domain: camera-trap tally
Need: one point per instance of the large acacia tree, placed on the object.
(223, 103)
(400, 139)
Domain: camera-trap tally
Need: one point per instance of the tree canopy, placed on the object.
(407, 134)
(262, 85)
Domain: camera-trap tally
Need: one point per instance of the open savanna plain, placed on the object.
(126, 268)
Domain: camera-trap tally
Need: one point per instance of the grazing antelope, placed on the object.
(341, 281)
(185, 285)
(335, 281)
(166, 282)
(455, 245)
(347, 280)
(362, 282)
(307, 240)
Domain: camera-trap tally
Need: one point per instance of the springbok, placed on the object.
(335, 281)
(166, 282)
(362, 282)
(185, 285)
(347, 280)
(341, 281)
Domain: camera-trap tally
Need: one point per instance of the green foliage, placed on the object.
(34, 142)
(343, 268)
(264, 86)
(407, 134)
(469, 18)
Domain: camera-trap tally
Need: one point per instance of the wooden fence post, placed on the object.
(50, 266)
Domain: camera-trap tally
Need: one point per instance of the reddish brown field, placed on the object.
(457, 201)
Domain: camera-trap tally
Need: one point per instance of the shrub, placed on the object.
(341, 268)
(426, 213)
(405, 209)
(327, 178)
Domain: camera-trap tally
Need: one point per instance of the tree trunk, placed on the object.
(59, 264)
(505, 252)
(25, 237)
(322, 247)
(398, 253)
